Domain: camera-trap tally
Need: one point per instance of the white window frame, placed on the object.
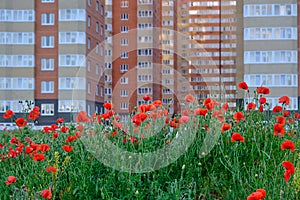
(47, 109)
(47, 41)
(47, 19)
(47, 64)
(47, 87)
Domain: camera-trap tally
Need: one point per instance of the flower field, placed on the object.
(219, 153)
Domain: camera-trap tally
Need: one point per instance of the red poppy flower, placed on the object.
(209, 103)
(8, 114)
(237, 137)
(225, 127)
(184, 119)
(286, 113)
(297, 115)
(64, 129)
(243, 85)
(261, 108)
(277, 109)
(257, 195)
(147, 97)
(251, 106)
(21, 122)
(10, 180)
(71, 138)
(284, 100)
(28, 150)
(262, 100)
(238, 116)
(38, 157)
(108, 105)
(288, 144)
(55, 135)
(82, 117)
(43, 147)
(225, 107)
(60, 120)
(67, 148)
(51, 169)
(157, 103)
(262, 90)
(218, 114)
(281, 120)
(151, 107)
(46, 194)
(34, 114)
(189, 98)
(279, 130)
(200, 111)
(290, 169)
(143, 108)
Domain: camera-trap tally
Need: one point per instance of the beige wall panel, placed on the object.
(17, 72)
(16, 27)
(72, 49)
(72, 26)
(71, 72)
(270, 21)
(269, 1)
(17, 49)
(17, 4)
(69, 95)
(262, 45)
(72, 4)
(17, 94)
(271, 68)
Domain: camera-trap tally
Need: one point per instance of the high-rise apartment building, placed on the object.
(271, 48)
(52, 53)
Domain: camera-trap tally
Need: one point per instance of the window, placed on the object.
(97, 90)
(144, 1)
(89, 2)
(47, 19)
(19, 83)
(124, 29)
(124, 41)
(71, 83)
(123, 93)
(124, 16)
(17, 15)
(263, 10)
(107, 65)
(47, 87)
(97, 27)
(144, 52)
(283, 56)
(89, 21)
(70, 60)
(123, 68)
(89, 44)
(124, 80)
(101, 30)
(48, 1)
(124, 106)
(89, 65)
(144, 65)
(124, 3)
(97, 5)
(124, 54)
(145, 13)
(71, 105)
(16, 60)
(72, 15)
(97, 69)
(47, 109)
(101, 10)
(72, 38)
(89, 88)
(107, 91)
(17, 38)
(47, 64)
(144, 77)
(144, 90)
(47, 42)
(97, 48)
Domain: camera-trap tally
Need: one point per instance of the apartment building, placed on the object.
(271, 48)
(52, 54)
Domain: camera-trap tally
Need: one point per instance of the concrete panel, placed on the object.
(17, 94)
(17, 72)
(72, 4)
(17, 49)
(262, 45)
(271, 68)
(16, 27)
(17, 4)
(72, 49)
